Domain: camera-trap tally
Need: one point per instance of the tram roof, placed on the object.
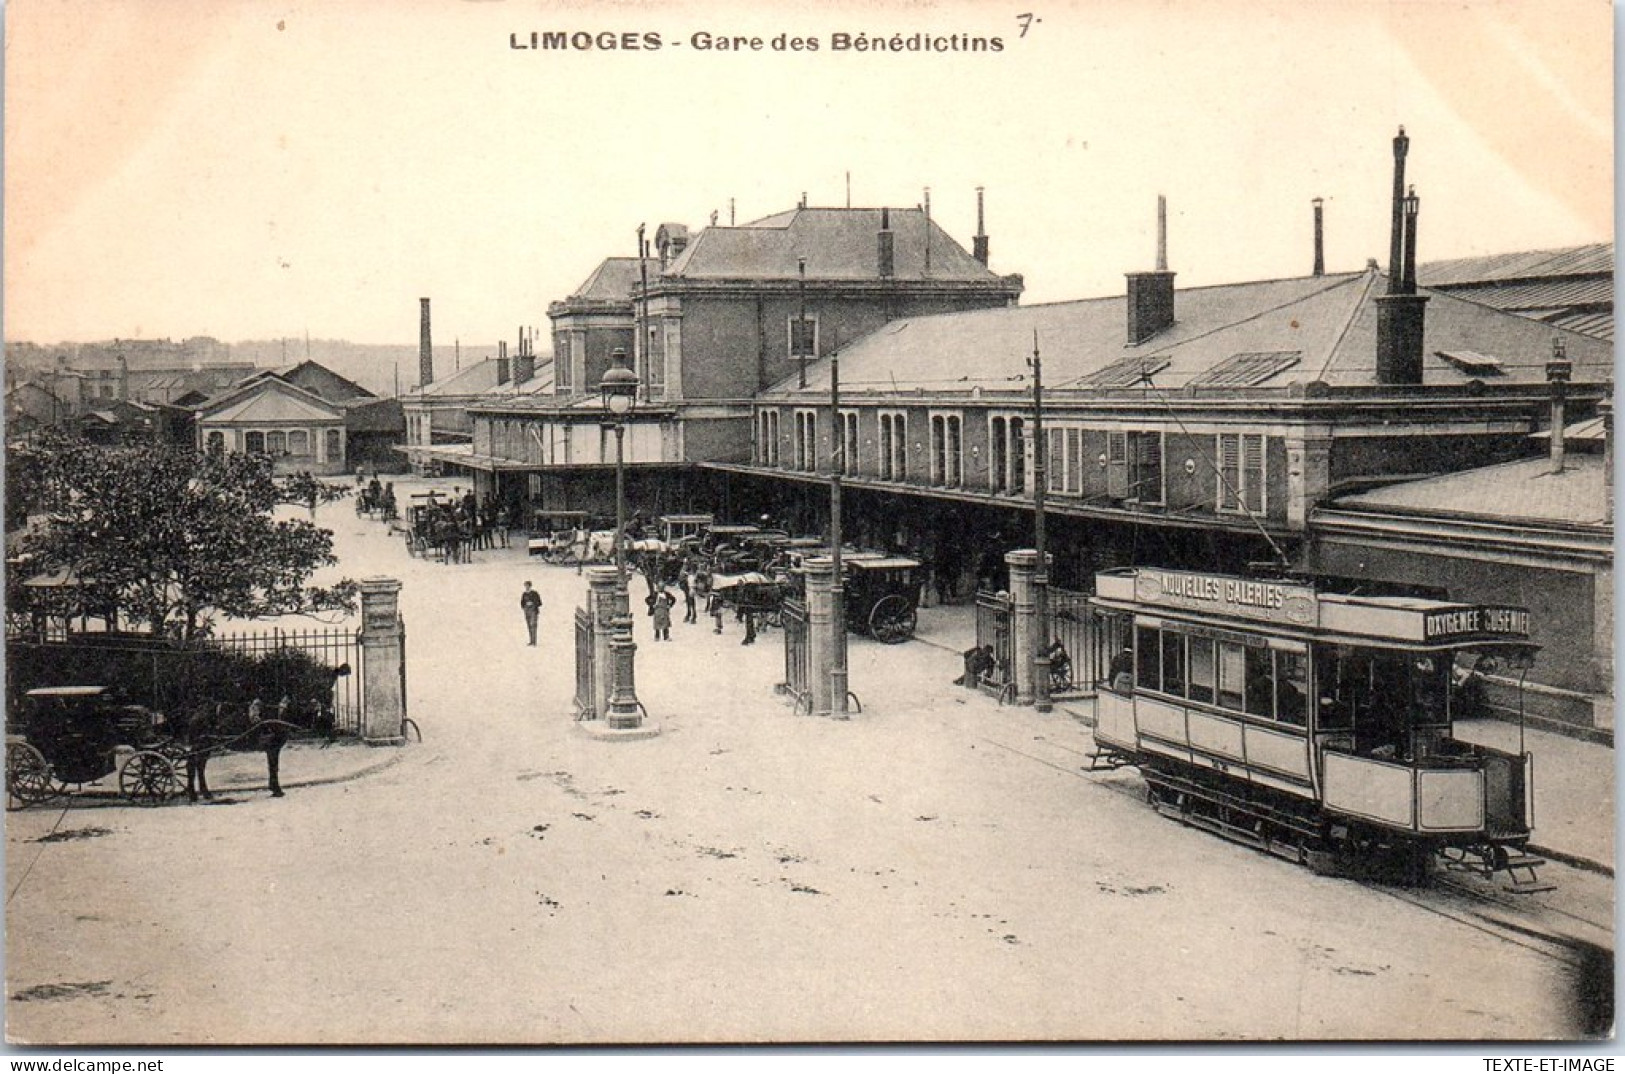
(1297, 609)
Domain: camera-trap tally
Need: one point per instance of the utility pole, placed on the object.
(837, 665)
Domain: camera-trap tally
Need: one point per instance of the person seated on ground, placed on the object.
(979, 663)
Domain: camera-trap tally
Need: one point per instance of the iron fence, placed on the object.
(794, 616)
(586, 699)
(993, 611)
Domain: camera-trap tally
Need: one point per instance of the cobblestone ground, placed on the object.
(936, 868)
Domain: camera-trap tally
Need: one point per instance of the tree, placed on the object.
(174, 538)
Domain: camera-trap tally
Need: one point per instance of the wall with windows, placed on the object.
(320, 449)
(1237, 673)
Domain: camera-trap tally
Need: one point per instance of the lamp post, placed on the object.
(837, 670)
(619, 394)
(1040, 654)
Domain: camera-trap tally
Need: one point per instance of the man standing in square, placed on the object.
(530, 602)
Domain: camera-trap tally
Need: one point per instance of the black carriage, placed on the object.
(67, 736)
(882, 596)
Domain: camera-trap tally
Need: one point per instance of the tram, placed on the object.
(1312, 724)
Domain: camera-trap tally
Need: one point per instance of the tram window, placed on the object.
(1260, 682)
(1146, 646)
(1232, 670)
(1173, 663)
(1430, 678)
(1291, 687)
(1201, 670)
(1336, 711)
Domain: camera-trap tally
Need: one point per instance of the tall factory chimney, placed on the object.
(979, 243)
(1320, 240)
(1400, 312)
(425, 346)
(1151, 294)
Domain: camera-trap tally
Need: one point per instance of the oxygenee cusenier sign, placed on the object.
(1467, 622)
(1247, 598)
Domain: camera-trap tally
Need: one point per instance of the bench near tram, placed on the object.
(1315, 725)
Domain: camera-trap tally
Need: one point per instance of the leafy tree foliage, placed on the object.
(174, 538)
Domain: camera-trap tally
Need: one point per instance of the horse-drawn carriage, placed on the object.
(882, 595)
(553, 535)
(67, 736)
(683, 530)
(376, 501)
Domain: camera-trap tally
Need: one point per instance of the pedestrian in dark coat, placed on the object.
(273, 735)
(530, 602)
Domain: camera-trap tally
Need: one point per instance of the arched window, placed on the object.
(276, 442)
(216, 442)
(254, 443)
(335, 446)
(298, 442)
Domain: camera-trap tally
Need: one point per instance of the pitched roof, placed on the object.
(1329, 322)
(375, 416)
(270, 399)
(315, 377)
(838, 244)
(479, 377)
(613, 280)
(1594, 259)
(539, 384)
(1525, 489)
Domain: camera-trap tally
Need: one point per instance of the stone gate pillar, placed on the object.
(383, 662)
(820, 572)
(1023, 564)
(604, 603)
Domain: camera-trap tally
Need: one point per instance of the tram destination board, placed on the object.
(1245, 598)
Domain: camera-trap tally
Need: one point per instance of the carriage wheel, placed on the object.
(149, 778)
(28, 774)
(892, 620)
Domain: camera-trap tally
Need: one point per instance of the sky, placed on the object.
(249, 169)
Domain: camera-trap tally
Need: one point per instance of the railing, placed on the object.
(795, 684)
(993, 617)
(586, 699)
(1073, 625)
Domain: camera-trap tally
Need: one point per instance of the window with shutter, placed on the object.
(1117, 465)
(1055, 481)
(885, 447)
(1018, 456)
(954, 472)
(997, 448)
(1145, 474)
(1229, 498)
(1252, 472)
(1074, 460)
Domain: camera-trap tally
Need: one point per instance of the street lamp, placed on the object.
(618, 392)
(1041, 633)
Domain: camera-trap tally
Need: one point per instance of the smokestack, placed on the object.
(425, 347)
(1151, 294)
(1396, 237)
(1401, 312)
(1162, 233)
(524, 366)
(1320, 241)
(1557, 375)
(979, 243)
(123, 379)
(927, 270)
(888, 250)
(502, 361)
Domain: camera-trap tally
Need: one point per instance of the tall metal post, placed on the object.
(837, 666)
(1041, 632)
(801, 325)
(620, 506)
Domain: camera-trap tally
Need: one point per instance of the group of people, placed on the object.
(462, 525)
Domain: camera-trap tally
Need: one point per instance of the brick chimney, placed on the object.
(123, 379)
(524, 365)
(1151, 294)
(1400, 312)
(1558, 371)
(425, 347)
(979, 243)
(887, 246)
(502, 361)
